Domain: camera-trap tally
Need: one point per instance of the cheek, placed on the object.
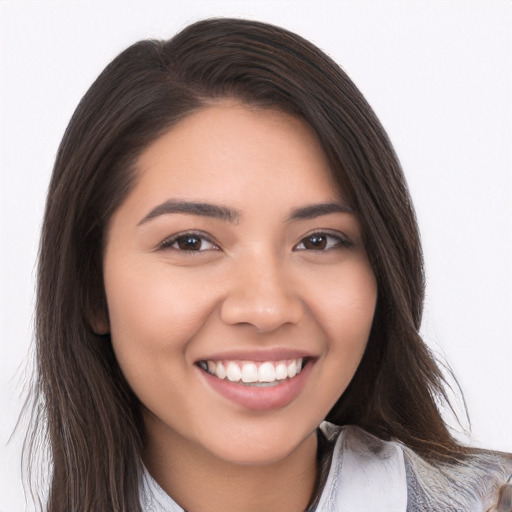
(345, 311)
(153, 311)
(153, 317)
(346, 318)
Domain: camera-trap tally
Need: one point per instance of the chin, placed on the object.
(259, 448)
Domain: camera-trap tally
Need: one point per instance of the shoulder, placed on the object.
(469, 485)
(405, 481)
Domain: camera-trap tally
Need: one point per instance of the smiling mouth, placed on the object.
(254, 373)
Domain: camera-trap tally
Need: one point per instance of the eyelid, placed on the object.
(169, 241)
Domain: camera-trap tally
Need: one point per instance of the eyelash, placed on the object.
(339, 241)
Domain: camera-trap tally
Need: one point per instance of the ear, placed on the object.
(95, 305)
(96, 314)
(99, 323)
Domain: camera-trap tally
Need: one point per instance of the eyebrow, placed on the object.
(231, 215)
(193, 208)
(317, 210)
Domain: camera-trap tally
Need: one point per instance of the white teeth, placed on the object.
(291, 369)
(221, 371)
(281, 371)
(266, 373)
(249, 372)
(212, 367)
(252, 372)
(233, 372)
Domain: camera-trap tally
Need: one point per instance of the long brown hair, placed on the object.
(90, 416)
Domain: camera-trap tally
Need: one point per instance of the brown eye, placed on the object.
(322, 242)
(315, 242)
(189, 242)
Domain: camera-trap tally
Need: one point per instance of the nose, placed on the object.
(262, 294)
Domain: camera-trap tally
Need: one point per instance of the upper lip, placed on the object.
(275, 354)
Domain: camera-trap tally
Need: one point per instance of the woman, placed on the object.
(229, 257)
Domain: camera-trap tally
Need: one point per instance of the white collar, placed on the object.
(366, 474)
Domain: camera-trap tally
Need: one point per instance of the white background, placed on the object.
(438, 74)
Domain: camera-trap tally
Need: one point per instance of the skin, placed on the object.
(253, 282)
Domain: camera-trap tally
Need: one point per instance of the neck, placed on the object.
(195, 478)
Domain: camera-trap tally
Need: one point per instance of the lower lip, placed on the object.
(260, 398)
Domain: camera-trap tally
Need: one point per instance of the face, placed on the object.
(239, 293)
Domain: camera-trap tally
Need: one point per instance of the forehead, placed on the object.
(234, 147)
